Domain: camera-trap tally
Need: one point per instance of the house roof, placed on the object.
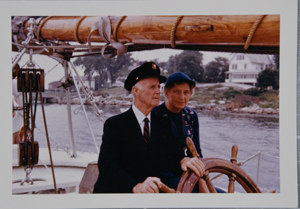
(258, 58)
(255, 58)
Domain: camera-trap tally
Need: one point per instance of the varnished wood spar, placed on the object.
(231, 186)
(202, 29)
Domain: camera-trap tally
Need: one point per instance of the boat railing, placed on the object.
(57, 144)
(241, 163)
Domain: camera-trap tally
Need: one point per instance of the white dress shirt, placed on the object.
(140, 118)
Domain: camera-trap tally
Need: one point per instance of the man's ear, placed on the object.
(135, 91)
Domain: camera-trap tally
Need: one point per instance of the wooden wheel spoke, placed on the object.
(211, 187)
(216, 165)
(203, 188)
(231, 187)
(209, 183)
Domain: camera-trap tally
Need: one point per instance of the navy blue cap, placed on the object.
(179, 76)
(146, 70)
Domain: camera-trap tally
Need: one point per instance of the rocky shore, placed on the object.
(216, 106)
(235, 108)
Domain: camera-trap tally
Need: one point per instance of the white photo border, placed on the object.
(288, 196)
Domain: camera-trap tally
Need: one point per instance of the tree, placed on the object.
(215, 70)
(104, 68)
(171, 64)
(92, 64)
(188, 62)
(276, 60)
(268, 77)
(116, 64)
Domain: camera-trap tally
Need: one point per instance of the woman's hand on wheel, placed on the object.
(195, 164)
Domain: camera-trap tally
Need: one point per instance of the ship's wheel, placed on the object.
(216, 165)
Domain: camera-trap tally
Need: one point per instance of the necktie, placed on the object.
(146, 130)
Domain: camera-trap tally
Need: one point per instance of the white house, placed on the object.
(244, 68)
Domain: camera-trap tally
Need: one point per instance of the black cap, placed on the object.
(179, 76)
(146, 70)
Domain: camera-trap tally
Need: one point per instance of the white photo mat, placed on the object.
(288, 196)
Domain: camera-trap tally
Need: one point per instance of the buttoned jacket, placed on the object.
(125, 159)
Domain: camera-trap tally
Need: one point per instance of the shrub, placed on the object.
(252, 92)
(268, 77)
(270, 99)
(245, 101)
(231, 93)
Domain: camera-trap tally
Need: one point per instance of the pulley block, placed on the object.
(25, 75)
(15, 71)
(28, 151)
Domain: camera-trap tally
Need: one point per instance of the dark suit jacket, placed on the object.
(172, 146)
(125, 159)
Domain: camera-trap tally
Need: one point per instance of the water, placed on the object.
(219, 131)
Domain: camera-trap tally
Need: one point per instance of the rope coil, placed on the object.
(115, 33)
(252, 31)
(173, 31)
(76, 30)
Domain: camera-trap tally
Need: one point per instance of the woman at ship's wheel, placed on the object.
(180, 122)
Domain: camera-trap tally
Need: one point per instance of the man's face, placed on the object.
(178, 97)
(148, 92)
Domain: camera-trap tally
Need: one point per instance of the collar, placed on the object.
(139, 115)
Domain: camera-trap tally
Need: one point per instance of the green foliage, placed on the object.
(268, 77)
(188, 62)
(218, 86)
(231, 93)
(171, 64)
(215, 70)
(244, 100)
(205, 96)
(252, 92)
(105, 68)
(276, 60)
(269, 99)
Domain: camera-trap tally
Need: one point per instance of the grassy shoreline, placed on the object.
(218, 93)
(219, 97)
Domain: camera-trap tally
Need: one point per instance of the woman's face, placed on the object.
(177, 97)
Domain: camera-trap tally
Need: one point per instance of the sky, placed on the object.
(58, 72)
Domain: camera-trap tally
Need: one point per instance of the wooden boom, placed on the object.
(223, 32)
(209, 30)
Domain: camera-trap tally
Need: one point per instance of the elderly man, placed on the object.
(133, 143)
(130, 153)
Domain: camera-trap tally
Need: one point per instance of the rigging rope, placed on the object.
(252, 31)
(51, 69)
(59, 47)
(57, 144)
(244, 161)
(86, 117)
(40, 28)
(173, 31)
(76, 30)
(88, 94)
(116, 28)
(46, 131)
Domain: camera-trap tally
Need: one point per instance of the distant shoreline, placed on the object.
(208, 96)
(228, 107)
